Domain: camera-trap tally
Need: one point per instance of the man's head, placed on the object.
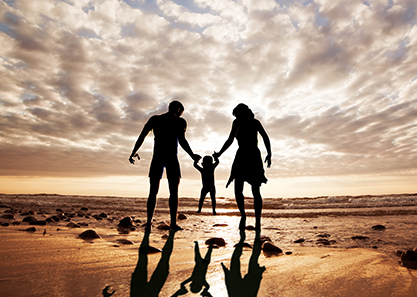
(176, 108)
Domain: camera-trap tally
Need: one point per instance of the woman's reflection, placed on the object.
(247, 286)
(139, 285)
(198, 277)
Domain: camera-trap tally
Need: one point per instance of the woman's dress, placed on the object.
(247, 165)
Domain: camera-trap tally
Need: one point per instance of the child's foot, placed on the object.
(214, 213)
(176, 228)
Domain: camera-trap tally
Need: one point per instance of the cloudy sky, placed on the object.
(333, 82)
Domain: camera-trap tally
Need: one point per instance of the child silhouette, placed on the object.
(207, 177)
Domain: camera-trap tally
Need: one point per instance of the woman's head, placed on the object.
(243, 111)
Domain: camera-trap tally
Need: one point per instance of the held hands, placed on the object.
(216, 155)
(268, 161)
(131, 160)
(196, 157)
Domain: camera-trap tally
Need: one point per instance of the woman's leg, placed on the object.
(257, 202)
(240, 201)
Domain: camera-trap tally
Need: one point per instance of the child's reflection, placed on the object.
(247, 286)
(139, 285)
(198, 277)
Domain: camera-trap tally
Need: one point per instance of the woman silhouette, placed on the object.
(247, 166)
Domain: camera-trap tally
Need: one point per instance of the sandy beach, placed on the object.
(54, 261)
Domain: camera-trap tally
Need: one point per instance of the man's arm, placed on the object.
(267, 143)
(145, 131)
(185, 145)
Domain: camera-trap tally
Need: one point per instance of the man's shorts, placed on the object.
(171, 164)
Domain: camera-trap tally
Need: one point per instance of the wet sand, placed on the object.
(60, 264)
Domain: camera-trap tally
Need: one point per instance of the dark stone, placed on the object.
(323, 241)
(83, 224)
(301, 240)
(220, 225)
(137, 221)
(264, 238)
(29, 219)
(124, 241)
(89, 234)
(73, 225)
(245, 244)
(409, 259)
(103, 215)
(324, 235)
(182, 216)
(216, 240)
(125, 223)
(55, 218)
(8, 216)
(153, 250)
(59, 211)
(84, 209)
(288, 253)
(15, 223)
(30, 229)
(38, 223)
(270, 248)
(360, 237)
(5, 224)
(4, 206)
(163, 226)
(250, 228)
(378, 227)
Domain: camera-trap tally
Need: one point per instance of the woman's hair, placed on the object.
(243, 111)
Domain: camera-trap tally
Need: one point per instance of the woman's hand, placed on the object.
(268, 161)
(131, 160)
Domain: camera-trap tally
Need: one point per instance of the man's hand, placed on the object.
(196, 157)
(131, 160)
(268, 161)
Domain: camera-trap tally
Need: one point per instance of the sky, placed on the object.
(333, 83)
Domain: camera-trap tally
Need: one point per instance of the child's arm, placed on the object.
(196, 166)
(216, 160)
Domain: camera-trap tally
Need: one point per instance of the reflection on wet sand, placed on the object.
(247, 286)
(139, 285)
(198, 277)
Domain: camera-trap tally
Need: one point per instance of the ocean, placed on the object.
(329, 222)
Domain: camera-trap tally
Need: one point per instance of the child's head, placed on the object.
(207, 160)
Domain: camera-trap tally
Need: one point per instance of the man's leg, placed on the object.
(153, 191)
(173, 184)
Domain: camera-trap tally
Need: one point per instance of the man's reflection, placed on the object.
(198, 277)
(139, 285)
(247, 286)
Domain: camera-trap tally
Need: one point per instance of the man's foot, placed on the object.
(176, 228)
(214, 212)
(198, 211)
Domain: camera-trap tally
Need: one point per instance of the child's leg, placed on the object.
(202, 197)
(213, 199)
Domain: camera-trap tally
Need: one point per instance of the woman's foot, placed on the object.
(198, 211)
(214, 212)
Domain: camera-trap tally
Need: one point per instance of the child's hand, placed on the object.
(216, 155)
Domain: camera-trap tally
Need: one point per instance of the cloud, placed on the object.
(332, 82)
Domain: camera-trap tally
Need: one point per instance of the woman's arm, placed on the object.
(267, 143)
(229, 140)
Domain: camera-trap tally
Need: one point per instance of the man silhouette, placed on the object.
(169, 130)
